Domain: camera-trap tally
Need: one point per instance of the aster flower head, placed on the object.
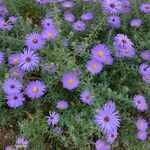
(49, 34)
(145, 8)
(107, 120)
(142, 124)
(111, 137)
(145, 55)
(127, 52)
(100, 53)
(80, 49)
(53, 118)
(12, 86)
(146, 76)
(114, 21)
(122, 41)
(58, 130)
(100, 145)
(13, 19)
(86, 97)
(65, 43)
(62, 104)
(79, 26)
(109, 60)
(47, 23)
(34, 41)
(16, 72)
(142, 135)
(143, 69)
(28, 60)
(21, 143)
(49, 68)
(140, 103)
(94, 66)
(14, 59)
(1, 57)
(70, 81)
(5, 25)
(3, 11)
(112, 6)
(69, 17)
(42, 2)
(67, 4)
(126, 6)
(135, 23)
(15, 100)
(87, 16)
(35, 89)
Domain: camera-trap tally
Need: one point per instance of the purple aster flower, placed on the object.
(69, 17)
(114, 21)
(142, 135)
(87, 16)
(9, 147)
(62, 104)
(142, 124)
(135, 23)
(14, 59)
(50, 34)
(143, 69)
(140, 103)
(111, 137)
(35, 89)
(100, 53)
(70, 81)
(112, 6)
(67, 4)
(77, 72)
(94, 66)
(146, 77)
(3, 11)
(42, 1)
(5, 25)
(107, 120)
(126, 6)
(121, 40)
(12, 86)
(145, 55)
(53, 118)
(47, 23)
(16, 72)
(126, 52)
(15, 100)
(79, 26)
(34, 41)
(145, 8)
(1, 57)
(13, 19)
(28, 60)
(100, 145)
(21, 143)
(109, 60)
(86, 97)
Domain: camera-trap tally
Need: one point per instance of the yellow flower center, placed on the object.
(78, 25)
(15, 73)
(62, 106)
(100, 54)
(5, 23)
(141, 124)
(15, 60)
(49, 35)
(71, 81)
(99, 145)
(126, 51)
(35, 89)
(141, 134)
(94, 67)
(148, 78)
(20, 147)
